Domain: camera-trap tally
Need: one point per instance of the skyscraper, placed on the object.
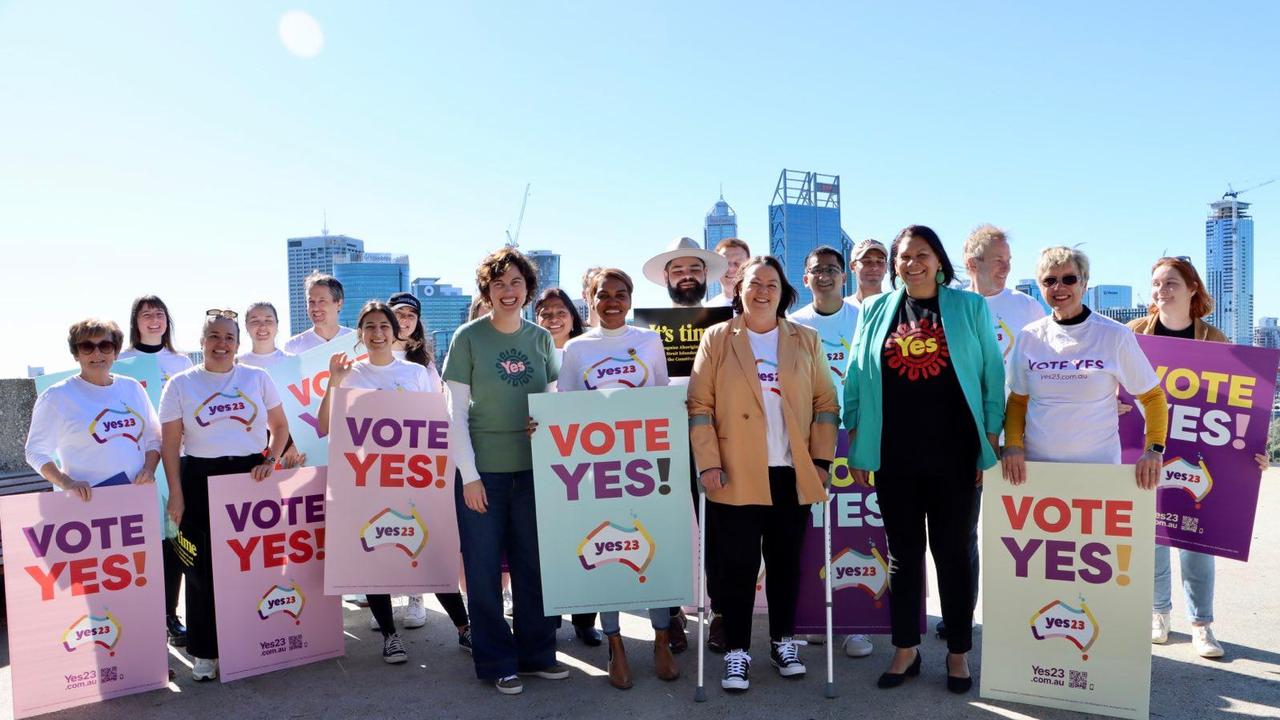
(1106, 297)
(1267, 334)
(1030, 287)
(805, 213)
(369, 276)
(307, 255)
(548, 265)
(721, 223)
(444, 308)
(1228, 240)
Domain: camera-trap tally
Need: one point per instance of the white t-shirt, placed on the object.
(253, 359)
(397, 375)
(1071, 373)
(308, 339)
(764, 346)
(170, 362)
(1011, 310)
(223, 414)
(835, 333)
(627, 357)
(96, 432)
(718, 301)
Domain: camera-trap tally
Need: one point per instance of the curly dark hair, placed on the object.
(497, 263)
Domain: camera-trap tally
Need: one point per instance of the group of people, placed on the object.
(932, 382)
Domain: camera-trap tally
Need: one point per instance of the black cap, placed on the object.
(404, 298)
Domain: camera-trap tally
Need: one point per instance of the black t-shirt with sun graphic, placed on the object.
(927, 422)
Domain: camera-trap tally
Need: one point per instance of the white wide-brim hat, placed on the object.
(655, 268)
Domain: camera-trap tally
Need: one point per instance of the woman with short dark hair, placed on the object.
(762, 423)
(94, 428)
(923, 403)
(495, 362)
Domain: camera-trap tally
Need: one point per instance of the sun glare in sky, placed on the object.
(301, 34)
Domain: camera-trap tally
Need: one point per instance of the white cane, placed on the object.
(826, 559)
(700, 694)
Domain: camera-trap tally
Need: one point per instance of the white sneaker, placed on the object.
(857, 646)
(415, 615)
(1206, 645)
(785, 657)
(1159, 628)
(204, 669)
(737, 670)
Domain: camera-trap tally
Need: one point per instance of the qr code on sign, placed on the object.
(295, 642)
(108, 674)
(1190, 524)
(1078, 679)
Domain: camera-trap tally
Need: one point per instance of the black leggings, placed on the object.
(192, 546)
(943, 501)
(737, 535)
(380, 606)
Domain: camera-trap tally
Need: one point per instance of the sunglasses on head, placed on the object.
(1065, 280)
(216, 313)
(86, 347)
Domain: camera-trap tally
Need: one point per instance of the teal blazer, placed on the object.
(974, 355)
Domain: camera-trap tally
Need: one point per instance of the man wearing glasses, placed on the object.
(835, 320)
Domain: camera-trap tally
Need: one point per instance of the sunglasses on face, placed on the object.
(1065, 280)
(216, 313)
(86, 347)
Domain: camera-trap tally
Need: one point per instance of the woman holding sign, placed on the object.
(616, 355)
(1179, 304)
(215, 421)
(494, 364)
(379, 331)
(922, 403)
(101, 427)
(762, 422)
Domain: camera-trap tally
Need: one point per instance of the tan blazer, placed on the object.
(727, 426)
(1204, 331)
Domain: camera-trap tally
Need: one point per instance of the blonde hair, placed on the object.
(975, 246)
(1058, 255)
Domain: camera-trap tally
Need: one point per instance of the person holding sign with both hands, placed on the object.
(637, 353)
(762, 422)
(215, 421)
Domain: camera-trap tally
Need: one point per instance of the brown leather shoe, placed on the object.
(664, 663)
(679, 642)
(715, 635)
(619, 669)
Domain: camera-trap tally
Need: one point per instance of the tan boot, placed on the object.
(664, 663)
(619, 669)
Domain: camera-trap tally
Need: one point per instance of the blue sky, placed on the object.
(172, 147)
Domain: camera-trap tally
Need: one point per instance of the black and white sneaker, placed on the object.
(393, 649)
(737, 671)
(464, 640)
(785, 656)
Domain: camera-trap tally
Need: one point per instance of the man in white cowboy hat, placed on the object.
(683, 269)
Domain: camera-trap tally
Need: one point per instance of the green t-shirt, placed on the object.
(502, 371)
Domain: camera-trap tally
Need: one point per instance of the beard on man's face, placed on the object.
(687, 292)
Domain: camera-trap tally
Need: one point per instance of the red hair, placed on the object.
(1201, 300)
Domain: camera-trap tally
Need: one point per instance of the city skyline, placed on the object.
(197, 159)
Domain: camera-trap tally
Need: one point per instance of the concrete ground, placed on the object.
(439, 682)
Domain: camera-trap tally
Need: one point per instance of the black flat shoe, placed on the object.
(892, 680)
(957, 685)
(589, 636)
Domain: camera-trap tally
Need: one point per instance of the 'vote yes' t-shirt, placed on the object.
(627, 357)
(97, 432)
(396, 375)
(764, 346)
(1071, 373)
(835, 333)
(222, 414)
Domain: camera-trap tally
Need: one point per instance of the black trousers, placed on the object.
(455, 608)
(193, 547)
(737, 535)
(945, 501)
(173, 571)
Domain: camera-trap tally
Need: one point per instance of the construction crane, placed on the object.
(1232, 193)
(514, 240)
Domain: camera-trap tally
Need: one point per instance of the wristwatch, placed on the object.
(270, 461)
(1156, 448)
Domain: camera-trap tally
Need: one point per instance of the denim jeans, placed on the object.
(1197, 583)
(659, 618)
(508, 527)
